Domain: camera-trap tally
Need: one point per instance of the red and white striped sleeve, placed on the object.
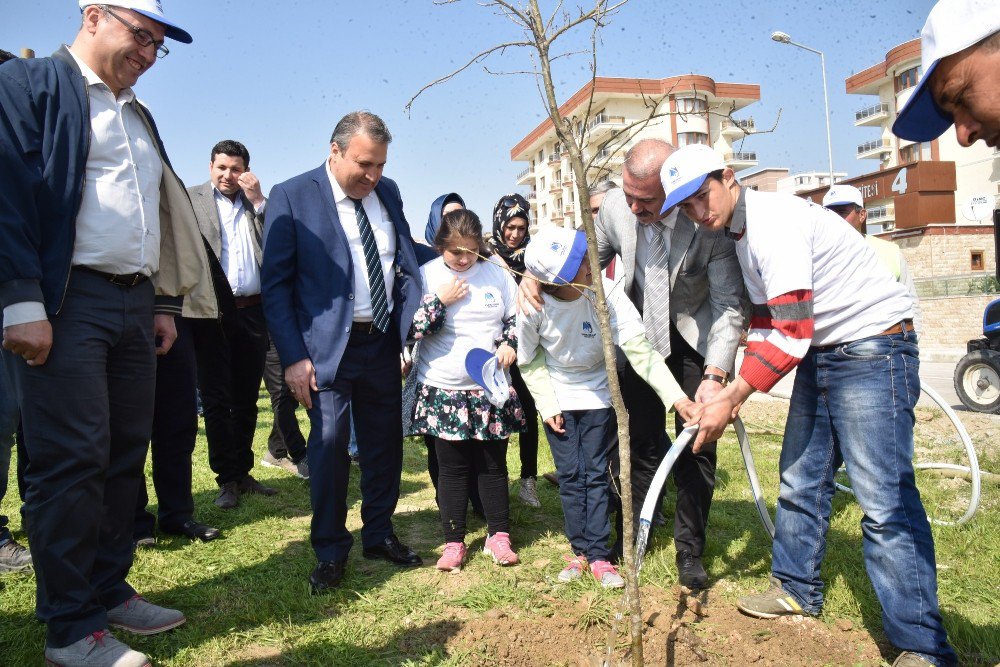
(780, 334)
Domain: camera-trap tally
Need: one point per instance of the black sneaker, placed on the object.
(690, 571)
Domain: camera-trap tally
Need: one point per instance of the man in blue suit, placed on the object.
(340, 284)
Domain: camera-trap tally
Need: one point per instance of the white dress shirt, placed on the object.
(642, 250)
(237, 257)
(118, 224)
(385, 238)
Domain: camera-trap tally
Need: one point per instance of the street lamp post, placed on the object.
(784, 38)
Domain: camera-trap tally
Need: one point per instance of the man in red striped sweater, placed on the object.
(823, 303)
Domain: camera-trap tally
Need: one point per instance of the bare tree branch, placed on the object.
(479, 56)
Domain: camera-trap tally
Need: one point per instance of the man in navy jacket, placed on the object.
(340, 284)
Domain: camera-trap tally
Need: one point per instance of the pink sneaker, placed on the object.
(606, 574)
(452, 558)
(575, 567)
(498, 546)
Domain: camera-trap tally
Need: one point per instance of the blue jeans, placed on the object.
(8, 425)
(855, 402)
(581, 458)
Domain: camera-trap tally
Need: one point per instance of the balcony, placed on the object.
(555, 157)
(741, 160)
(567, 181)
(871, 116)
(609, 156)
(873, 149)
(556, 188)
(738, 127)
(603, 123)
(533, 196)
(569, 209)
(526, 176)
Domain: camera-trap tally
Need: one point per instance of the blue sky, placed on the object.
(278, 75)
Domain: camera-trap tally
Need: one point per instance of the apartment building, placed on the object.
(691, 109)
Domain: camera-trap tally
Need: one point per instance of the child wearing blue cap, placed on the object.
(561, 356)
(468, 304)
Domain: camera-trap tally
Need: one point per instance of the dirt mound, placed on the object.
(679, 630)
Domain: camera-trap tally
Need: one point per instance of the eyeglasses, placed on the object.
(142, 37)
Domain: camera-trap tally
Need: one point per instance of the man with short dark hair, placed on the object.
(231, 352)
(341, 285)
(825, 305)
(99, 246)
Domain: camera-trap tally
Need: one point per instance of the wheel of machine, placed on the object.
(977, 381)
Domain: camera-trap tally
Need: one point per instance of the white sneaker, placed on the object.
(528, 492)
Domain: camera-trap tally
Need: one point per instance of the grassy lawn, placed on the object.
(248, 603)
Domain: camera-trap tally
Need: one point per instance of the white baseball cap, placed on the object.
(684, 172)
(484, 369)
(952, 26)
(151, 9)
(840, 195)
(555, 254)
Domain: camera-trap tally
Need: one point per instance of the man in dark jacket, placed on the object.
(95, 223)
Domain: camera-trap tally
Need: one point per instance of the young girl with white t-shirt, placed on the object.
(467, 304)
(561, 356)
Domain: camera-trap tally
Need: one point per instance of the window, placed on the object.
(544, 211)
(976, 260)
(541, 156)
(906, 79)
(542, 181)
(688, 138)
(558, 178)
(691, 105)
(915, 153)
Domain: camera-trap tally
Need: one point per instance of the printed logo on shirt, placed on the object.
(588, 330)
(491, 300)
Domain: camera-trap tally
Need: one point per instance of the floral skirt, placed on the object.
(455, 414)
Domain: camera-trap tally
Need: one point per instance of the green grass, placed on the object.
(248, 602)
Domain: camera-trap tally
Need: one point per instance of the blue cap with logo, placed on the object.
(151, 9)
(952, 26)
(684, 172)
(484, 369)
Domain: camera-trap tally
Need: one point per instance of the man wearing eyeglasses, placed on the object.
(100, 248)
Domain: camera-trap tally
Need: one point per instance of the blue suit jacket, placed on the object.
(307, 273)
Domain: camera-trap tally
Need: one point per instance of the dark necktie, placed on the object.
(376, 280)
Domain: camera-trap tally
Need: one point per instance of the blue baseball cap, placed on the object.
(952, 26)
(555, 254)
(684, 172)
(484, 369)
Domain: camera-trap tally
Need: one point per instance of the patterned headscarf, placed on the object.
(509, 207)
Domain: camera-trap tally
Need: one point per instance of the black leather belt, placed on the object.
(120, 279)
(247, 301)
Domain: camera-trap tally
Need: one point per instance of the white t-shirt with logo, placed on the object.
(474, 321)
(792, 244)
(569, 335)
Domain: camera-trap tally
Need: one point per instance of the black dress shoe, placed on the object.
(229, 496)
(250, 485)
(194, 530)
(328, 574)
(690, 571)
(393, 551)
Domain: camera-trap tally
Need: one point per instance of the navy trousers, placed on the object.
(175, 427)
(368, 384)
(87, 414)
(581, 458)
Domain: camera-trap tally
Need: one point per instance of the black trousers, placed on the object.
(175, 427)
(230, 368)
(87, 415)
(433, 469)
(368, 386)
(285, 439)
(486, 460)
(694, 474)
(528, 439)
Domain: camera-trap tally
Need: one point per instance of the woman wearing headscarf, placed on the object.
(510, 237)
